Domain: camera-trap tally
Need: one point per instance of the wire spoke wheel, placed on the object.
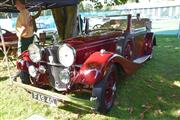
(105, 91)
(148, 47)
(110, 89)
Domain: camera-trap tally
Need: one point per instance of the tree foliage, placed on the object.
(99, 5)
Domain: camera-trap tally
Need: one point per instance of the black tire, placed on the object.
(154, 44)
(154, 41)
(100, 91)
(24, 76)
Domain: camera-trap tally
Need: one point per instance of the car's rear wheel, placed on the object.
(148, 47)
(105, 91)
(128, 51)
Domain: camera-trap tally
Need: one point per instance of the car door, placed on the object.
(139, 31)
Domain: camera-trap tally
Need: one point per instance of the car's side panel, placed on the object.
(139, 36)
(92, 69)
(148, 43)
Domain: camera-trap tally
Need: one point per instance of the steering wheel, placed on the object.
(96, 26)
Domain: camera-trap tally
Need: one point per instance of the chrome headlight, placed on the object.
(66, 55)
(34, 53)
(65, 76)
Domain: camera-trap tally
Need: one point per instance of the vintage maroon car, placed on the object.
(89, 62)
(10, 40)
(9, 36)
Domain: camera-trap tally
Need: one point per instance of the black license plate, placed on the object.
(47, 99)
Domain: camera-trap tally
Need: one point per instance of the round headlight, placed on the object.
(66, 55)
(34, 53)
(65, 76)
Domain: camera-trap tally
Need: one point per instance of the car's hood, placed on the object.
(79, 41)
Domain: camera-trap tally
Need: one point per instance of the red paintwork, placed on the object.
(21, 63)
(86, 46)
(92, 68)
(43, 80)
(97, 65)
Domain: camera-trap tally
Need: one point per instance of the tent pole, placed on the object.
(5, 53)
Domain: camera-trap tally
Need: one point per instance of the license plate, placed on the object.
(43, 98)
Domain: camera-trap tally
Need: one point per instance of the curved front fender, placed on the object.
(97, 65)
(93, 68)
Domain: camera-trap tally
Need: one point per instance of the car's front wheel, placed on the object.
(105, 91)
(148, 48)
(24, 76)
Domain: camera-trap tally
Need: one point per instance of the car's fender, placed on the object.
(97, 65)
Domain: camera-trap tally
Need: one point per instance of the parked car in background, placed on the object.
(9, 36)
(45, 28)
(89, 62)
(10, 42)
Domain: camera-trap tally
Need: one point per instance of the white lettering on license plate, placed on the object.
(47, 99)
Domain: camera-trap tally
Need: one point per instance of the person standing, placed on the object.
(24, 27)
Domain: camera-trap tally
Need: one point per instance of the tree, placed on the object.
(66, 17)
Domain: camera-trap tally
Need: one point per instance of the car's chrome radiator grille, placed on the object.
(54, 71)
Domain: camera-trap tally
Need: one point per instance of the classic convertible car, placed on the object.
(90, 62)
(9, 36)
(10, 40)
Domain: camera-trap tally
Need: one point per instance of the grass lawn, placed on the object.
(152, 93)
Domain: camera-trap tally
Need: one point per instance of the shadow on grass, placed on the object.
(82, 107)
(3, 78)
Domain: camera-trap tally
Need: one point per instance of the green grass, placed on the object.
(152, 93)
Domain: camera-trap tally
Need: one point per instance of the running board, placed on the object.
(141, 59)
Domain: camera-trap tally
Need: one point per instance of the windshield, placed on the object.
(113, 22)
